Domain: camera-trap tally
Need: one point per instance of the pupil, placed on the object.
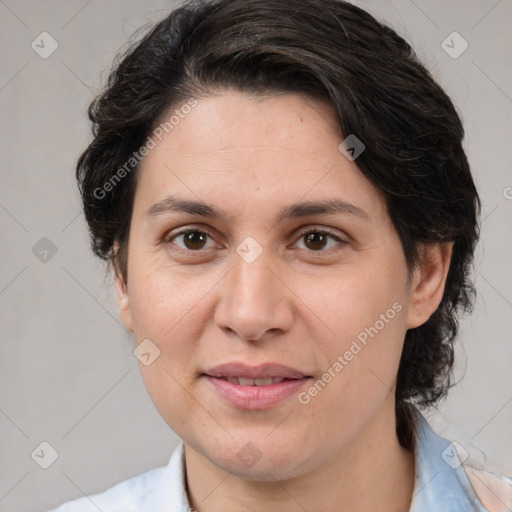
(194, 240)
(316, 238)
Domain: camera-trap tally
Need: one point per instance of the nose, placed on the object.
(254, 301)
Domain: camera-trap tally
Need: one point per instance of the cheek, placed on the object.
(358, 299)
(364, 308)
(166, 304)
(165, 385)
(166, 308)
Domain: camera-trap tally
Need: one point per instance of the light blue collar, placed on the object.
(441, 484)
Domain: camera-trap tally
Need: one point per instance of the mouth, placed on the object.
(255, 387)
(245, 381)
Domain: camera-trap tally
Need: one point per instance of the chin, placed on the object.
(259, 460)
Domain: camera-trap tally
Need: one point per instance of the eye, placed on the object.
(318, 240)
(192, 240)
(195, 240)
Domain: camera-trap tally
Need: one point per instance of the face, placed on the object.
(279, 310)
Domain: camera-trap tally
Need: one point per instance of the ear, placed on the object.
(123, 299)
(428, 282)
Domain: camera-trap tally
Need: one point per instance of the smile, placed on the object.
(261, 387)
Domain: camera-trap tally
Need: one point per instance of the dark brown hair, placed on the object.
(328, 50)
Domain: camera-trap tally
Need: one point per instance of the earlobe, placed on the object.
(123, 300)
(428, 282)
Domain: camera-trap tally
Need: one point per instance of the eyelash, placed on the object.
(170, 238)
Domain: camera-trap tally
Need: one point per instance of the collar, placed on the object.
(441, 483)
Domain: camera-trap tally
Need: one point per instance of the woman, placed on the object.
(283, 195)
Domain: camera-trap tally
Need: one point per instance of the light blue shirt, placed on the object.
(441, 484)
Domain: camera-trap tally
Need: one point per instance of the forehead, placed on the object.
(248, 150)
(235, 121)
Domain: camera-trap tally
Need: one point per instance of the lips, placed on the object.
(262, 371)
(255, 387)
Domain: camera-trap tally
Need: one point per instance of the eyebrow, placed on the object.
(301, 209)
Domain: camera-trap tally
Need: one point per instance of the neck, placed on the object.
(374, 472)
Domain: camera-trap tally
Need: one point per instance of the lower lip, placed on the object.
(256, 397)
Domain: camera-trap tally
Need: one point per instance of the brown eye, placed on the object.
(192, 240)
(315, 241)
(318, 240)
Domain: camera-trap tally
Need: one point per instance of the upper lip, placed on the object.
(262, 371)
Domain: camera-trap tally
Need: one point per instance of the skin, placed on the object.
(300, 304)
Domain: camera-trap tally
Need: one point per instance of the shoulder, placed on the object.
(445, 480)
(130, 495)
(158, 489)
(494, 491)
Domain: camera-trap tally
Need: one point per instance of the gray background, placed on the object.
(67, 371)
